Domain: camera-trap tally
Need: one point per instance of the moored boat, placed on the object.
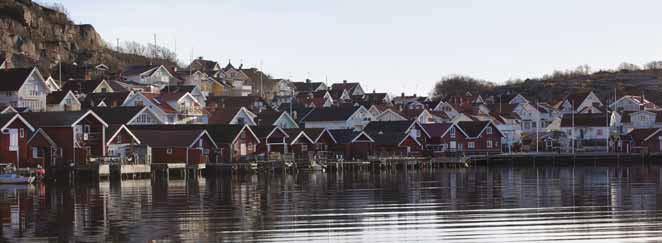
(12, 178)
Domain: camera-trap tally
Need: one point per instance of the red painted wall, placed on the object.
(7, 156)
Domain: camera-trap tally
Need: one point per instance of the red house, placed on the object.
(273, 139)
(444, 138)
(396, 137)
(14, 136)
(80, 135)
(352, 145)
(236, 143)
(191, 146)
(647, 140)
(299, 143)
(482, 137)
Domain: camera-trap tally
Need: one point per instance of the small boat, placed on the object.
(12, 178)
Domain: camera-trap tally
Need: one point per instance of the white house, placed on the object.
(518, 99)
(62, 101)
(632, 103)
(591, 129)
(23, 88)
(580, 103)
(52, 84)
(154, 77)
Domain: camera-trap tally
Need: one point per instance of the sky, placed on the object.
(389, 46)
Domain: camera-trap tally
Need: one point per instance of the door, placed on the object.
(13, 139)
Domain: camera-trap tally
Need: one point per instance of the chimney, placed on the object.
(307, 81)
(403, 94)
(414, 95)
(344, 81)
(200, 58)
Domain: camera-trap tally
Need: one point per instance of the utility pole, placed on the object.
(573, 127)
(537, 126)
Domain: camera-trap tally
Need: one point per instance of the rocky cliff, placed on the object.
(31, 34)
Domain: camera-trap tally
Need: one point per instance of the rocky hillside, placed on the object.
(603, 83)
(31, 34)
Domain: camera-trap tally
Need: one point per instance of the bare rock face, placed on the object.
(45, 36)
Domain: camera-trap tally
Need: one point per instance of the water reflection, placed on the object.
(477, 204)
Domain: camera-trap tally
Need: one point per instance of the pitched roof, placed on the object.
(263, 131)
(331, 114)
(472, 128)
(387, 126)
(267, 118)
(177, 88)
(12, 79)
(585, 120)
(297, 133)
(306, 86)
(176, 138)
(437, 129)
(139, 69)
(345, 86)
(207, 65)
(117, 115)
(56, 97)
(313, 133)
(640, 135)
(345, 136)
(55, 119)
(234, 101)
(110, 99)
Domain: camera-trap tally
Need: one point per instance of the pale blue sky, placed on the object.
(390, 46)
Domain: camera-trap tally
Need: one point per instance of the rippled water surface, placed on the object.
(450, 205)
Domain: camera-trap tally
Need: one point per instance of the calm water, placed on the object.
(467, 205)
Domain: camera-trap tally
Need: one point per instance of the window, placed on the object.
(489, 144)
(87, 129)
(489, 130)
(169, 151)
(304, 148)
(599, 132)
(22, 132)
(36, 153)
(138, 103)
(452, 132)
(471, 145)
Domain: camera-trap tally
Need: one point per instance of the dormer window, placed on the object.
(489, 131)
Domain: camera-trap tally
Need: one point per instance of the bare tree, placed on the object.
(628, 67)
(653, 65)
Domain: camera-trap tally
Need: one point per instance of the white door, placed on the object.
(242, 149)
(13, 139)
(453, 145)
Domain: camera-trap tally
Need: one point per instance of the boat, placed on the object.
(10, 175)
(12, 178)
